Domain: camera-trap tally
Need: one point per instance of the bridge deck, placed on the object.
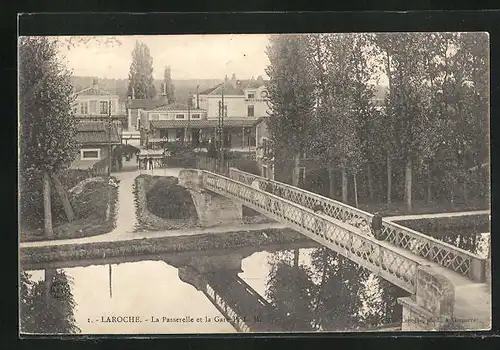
(395, 259)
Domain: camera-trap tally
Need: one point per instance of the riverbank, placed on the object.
(434, 224)
(209, 240)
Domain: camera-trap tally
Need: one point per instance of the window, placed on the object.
(251, 95)
(84, 108)
(90, 154)
(163, 133)
(179, 134)
(195, 116)
(264, 171)
(179, 116)
(93, 107)
(250, 111)
(104, 107)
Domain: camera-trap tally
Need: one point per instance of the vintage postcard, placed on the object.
(277, 183)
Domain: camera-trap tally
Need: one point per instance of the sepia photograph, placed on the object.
(254, 183)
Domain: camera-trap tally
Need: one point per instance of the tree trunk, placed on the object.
(47, 208)
(296, 170)
(355, 190)
(64, 197)
(344, 185)
(465, 190)
(452, 193)
(331, 177)
(370, 182)
(296, 257)
(429, 188)
(408, 183)
(47, 284)
(389, 179)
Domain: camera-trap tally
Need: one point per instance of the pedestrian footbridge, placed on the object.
(447, 284)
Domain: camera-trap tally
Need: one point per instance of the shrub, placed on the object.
(170, 201)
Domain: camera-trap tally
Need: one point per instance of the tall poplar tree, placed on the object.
(291, 98)
(169, 86)
(141, 73)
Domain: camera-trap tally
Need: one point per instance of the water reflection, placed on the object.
(330, 293)
(256, 289)
(47, 306)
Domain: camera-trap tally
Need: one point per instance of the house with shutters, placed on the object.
(94, 104)
(245, 101)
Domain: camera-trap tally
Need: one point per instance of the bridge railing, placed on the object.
(396, 266)
(446, 255)
(231, 315)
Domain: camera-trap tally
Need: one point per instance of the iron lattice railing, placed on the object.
(446, 255)
(231, 315)
(391, 263)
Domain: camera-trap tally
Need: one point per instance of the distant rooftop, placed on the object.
(94, 90)
(234, 86)
(174, 107)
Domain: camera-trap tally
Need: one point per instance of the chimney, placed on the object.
(95, 83)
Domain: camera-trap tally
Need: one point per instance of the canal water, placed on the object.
(313, 289)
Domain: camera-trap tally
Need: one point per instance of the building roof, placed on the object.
(144, 103)
(174, 107)
(89, 133)
(207, 123)
(94, 91)
(234, 87)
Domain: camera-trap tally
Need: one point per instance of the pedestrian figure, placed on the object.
(377, 226)
(150, 163)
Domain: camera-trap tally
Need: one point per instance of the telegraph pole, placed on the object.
(188, 136)
(109, 139)
(222, 113)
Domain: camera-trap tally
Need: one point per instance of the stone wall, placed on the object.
(147, 219)
(431, 308)
(212, 209)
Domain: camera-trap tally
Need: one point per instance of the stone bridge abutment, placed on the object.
(212, 208)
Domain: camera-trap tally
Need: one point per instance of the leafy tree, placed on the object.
(168, 85)
(47, 125)
(47, 307)
(291, 98)
(141, 73)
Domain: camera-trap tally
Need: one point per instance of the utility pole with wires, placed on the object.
(222, 115)
(109, 139)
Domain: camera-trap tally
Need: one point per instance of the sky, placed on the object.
(189, 56)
